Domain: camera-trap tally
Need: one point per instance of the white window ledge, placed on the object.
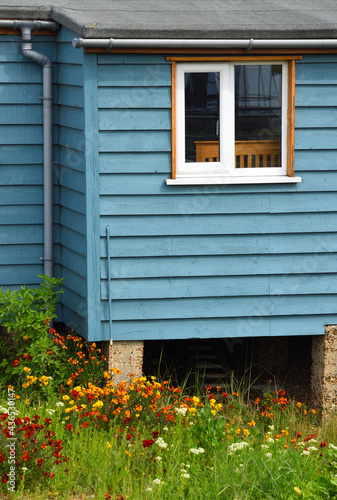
(183, 181)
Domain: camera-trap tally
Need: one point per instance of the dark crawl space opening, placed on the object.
(262, 364)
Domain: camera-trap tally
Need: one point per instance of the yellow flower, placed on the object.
(27, 369)
(65, 397)
(108, 445)
(98, 404)
(251, 423)
(27, 401)
(196, 400)
(10, 387)
(246, 432)
(297, 491)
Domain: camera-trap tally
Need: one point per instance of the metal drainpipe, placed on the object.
(26, 28)
(110, 43)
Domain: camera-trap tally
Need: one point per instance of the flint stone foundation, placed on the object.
(126, 357)
(324, 369)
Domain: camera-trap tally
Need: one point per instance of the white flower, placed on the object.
(59, 403)
(24, 468)
(269, 455)
(333, 446)
(187, 476)
(196, 451)
(156, 481)
(305, 452)
(271, 427)
(148, 489)
(264, 446)
(237, 446)
(161, 443)
(269, 439)
(312, 448)
(50, 412)
(181, 411)
(165, 428)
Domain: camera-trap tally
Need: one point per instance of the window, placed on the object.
(232, 121)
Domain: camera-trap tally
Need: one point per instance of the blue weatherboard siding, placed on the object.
(71, 166)
(21, 162)
(213, 261)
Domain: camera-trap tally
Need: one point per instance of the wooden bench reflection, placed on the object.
(248, 154)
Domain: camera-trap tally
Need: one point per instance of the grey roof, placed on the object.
(219, 19)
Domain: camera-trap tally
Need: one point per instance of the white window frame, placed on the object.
(224, 171)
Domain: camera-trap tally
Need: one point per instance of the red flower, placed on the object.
(25, 456)
(128, 436)
(298, 434)
(323, 443)
(16, 362)
(4, 478)
(148, 442)
(224, 395)
(40, 462)
(85, 425)
(155, 434)
(69, 427)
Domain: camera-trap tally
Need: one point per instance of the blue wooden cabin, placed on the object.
(154, 241)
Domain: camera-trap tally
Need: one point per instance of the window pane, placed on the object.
(258, 103)
(201, 117)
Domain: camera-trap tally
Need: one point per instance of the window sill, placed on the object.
(183, 181)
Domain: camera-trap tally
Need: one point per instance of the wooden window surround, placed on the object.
(261, 160)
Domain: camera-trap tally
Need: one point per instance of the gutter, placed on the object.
(111, 43)
(26, 28)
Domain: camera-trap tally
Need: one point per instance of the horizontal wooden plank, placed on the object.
(125, 75)
(112, 59)
(21, 114)
(74, 261)
(134, 119)
(313, 138)
(219, 307)
(20, 254)
(72, 199)
(75, 302)
(65, 54)
(231, 328)
(134, 97)
(72, 179)
(128, 141)
(135, 163)
(315, 160)
(235, 286)
(74, 321)
(154, 184)
(20, 275)
(21, 134)
(160, 246)
(72, 240)
(215, 204)
(70, 74)
(219, 266)
(71, 158)
(71, 117)
(21, 234)
(21, 214)
(317, 117)
(15, 175)
(14, 154)
(169, 225)
(20, 73)
(74, 282)
(72, 220)
(17, 93)
(24, 195)
(72, 96)
(316, 74)
(316, 95)
(72, 138)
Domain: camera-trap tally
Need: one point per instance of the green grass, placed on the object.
(145, 452)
